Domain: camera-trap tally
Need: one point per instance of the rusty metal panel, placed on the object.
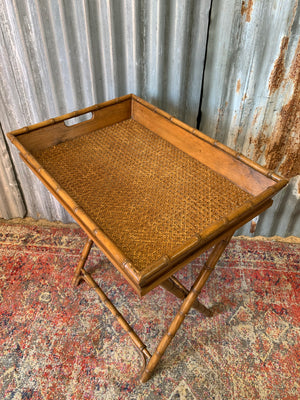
(251, 94)
(57, 56)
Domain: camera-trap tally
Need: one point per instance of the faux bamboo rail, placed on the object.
(112, 252)
(67, 116)
(208, 234)
(159, 275)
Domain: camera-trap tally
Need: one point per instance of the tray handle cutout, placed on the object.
(70, 122)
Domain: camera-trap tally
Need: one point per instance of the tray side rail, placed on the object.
(38, 137)
(242, 171)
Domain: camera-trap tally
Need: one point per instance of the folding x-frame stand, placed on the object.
(172, 285)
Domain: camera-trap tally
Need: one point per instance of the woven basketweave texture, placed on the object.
(146, 195)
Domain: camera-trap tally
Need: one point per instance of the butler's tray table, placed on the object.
(151, 192)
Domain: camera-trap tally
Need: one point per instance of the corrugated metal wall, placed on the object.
(251, 95)
(57, 56)
(11, 203)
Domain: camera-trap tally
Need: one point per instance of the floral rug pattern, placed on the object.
(60, 342)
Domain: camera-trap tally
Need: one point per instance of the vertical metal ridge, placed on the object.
(11, 202)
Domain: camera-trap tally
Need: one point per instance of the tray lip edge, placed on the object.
(142, 278)
(63, 117)
(196, 132)
(125, 266)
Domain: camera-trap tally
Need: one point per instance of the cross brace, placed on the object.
(172, 285)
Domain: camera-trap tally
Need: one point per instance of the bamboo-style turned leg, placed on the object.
(175, 287)
(80, 273)
(82, 260)
(119, 317)
(185, 307)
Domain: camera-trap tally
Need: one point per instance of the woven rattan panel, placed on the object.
(144, 193)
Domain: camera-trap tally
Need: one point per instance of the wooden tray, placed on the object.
(149, 190)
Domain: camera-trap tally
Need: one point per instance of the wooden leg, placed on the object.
(185, 307)
(82, 260)
(80, 273)
(175, 287)
(119, 317)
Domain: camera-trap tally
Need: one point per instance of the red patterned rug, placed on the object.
(59, 342)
